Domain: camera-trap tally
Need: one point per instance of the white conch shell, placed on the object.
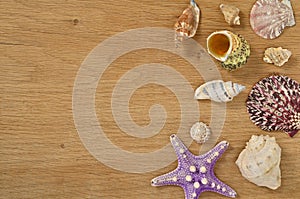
(200, 132)
(218, 91)
(259, 162)
(277, 56)
(231, 14)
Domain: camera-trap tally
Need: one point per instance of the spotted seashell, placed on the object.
(218, 91)
(259, 162)
(268, 18)
(274, 104)
(187, 24)
(200, 132)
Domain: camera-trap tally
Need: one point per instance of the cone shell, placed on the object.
(200, 132)
(231, 49)
(218, 91)
(268, 18)
(277, 56)
(231, 14)
(259, 162)
(187, 24)
(274, 104)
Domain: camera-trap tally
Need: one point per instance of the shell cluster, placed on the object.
(274, 104)
(268, 18)
(187, 24)
(229, 48)
(259, 162)
(277, 56)
(218, 91)
(200, 132)
(231, 14)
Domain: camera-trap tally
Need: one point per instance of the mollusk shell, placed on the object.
(277, 56)
(274, 104)
(200, 132)
(187, 24)
(268, 18)
(259, 162)
(231, 49)
(218, 91)
(231, 14)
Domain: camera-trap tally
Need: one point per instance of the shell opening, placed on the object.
(219, 45)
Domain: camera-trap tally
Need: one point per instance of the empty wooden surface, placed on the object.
(42, 45)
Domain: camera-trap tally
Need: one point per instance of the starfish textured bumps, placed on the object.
(195, 174)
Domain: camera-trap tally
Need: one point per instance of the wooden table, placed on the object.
(42, 46)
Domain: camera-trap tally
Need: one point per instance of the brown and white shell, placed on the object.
(277, 56)
(231, 14)
(259, 162)
(200, 132)
(268, 18)
(187, 24)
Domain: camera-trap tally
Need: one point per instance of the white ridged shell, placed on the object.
(268, 18)
(200, 132)
(218, 91)
(277, 56)
(259, 162)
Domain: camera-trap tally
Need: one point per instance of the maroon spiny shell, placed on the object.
(274, 104)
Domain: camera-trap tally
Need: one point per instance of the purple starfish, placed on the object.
(195, 173)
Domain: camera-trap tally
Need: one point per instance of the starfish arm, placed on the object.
(215, 185)
(180, 149)
(170, 178)
(214, 154)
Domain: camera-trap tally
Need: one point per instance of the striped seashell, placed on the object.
(268, 18)
(187, 24)
(218, 91)
(274, 104)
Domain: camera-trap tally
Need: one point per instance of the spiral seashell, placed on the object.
(218, 91)
(231, 49)
(231, 14)
(268, 18)
(277, 56)
(259, 162)
(274, 104)
(200, 132)
(187, 24)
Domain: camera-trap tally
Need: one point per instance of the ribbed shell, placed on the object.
(274, 104)
(218, 91)
(268, 18)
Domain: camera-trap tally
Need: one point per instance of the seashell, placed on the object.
(259, 162)
(274, 104)
(200, 132)
(231, 14)
(231, 49)
(277, 56)
(187, 24)
(268, 18)
(218, 91)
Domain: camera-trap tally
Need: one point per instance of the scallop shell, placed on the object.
(259, 162)
(218, 91)
(187, 24)
(277, 56)
(268, 18)
(200, 132)
(231, 14)
(274, 104)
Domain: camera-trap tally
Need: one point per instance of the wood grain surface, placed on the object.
(42, 45)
